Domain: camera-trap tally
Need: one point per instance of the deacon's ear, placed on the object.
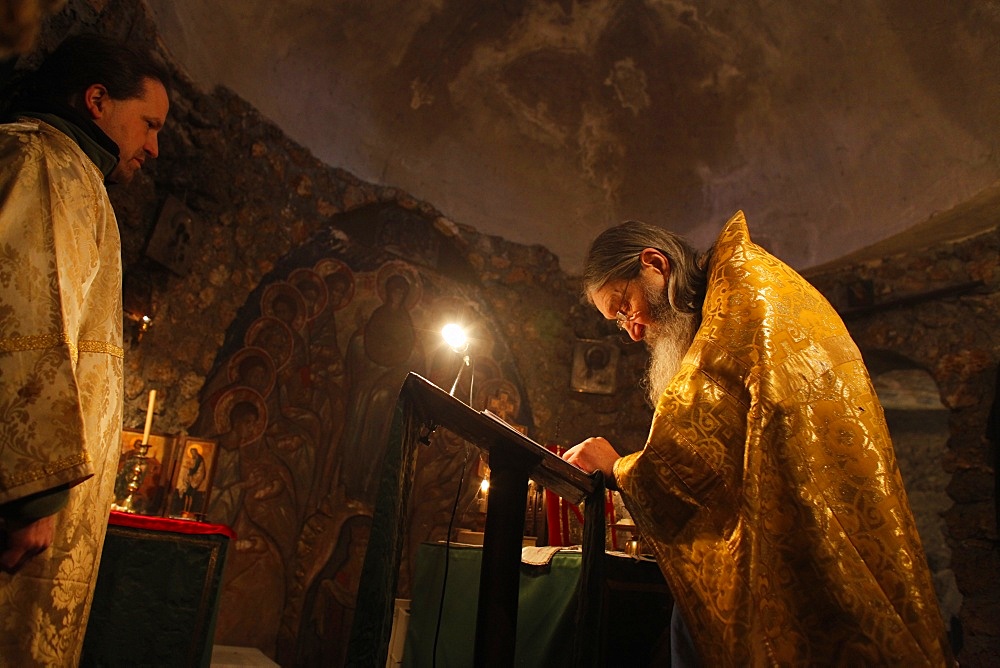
(95, 100)
(656, 260)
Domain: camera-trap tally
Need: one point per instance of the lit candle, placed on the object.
(149, 417)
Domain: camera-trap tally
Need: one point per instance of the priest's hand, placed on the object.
(594, 454)
(20, 542)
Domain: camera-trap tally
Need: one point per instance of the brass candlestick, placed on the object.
(130, 478)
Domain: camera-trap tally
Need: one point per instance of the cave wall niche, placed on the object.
(301, 398)
(918, 426)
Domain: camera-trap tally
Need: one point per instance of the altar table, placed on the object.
(156, 598)
(634, 629)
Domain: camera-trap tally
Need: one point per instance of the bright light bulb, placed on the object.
(484, 486)
(455, 337)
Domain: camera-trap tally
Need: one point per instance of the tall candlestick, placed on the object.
(149, 417)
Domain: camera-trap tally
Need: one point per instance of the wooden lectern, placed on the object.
(514, 459)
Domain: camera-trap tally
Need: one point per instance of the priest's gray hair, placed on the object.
(614, 255)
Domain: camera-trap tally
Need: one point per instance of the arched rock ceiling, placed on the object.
(833, 125)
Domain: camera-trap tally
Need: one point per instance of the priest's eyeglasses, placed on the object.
(622, 318)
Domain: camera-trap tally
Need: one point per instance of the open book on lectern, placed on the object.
(486, 430)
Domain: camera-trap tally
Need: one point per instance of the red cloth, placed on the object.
(168, 524)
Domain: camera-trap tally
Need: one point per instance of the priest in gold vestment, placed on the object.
(61, 335)
(768, 488)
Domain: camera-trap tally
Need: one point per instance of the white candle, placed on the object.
(149, 417)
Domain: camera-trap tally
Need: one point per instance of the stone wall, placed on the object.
(938, 309)
(266, 210)
(262, 209)
(234, 224)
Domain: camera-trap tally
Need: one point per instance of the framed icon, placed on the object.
(595, 367)
(143, 473)
(191, 483)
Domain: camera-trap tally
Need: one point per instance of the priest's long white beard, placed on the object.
(667, 340)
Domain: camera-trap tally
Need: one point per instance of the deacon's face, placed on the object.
(134, 124)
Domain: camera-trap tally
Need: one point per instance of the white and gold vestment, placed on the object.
(60, 378)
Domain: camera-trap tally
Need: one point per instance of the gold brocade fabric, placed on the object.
(60, 379)
(768, 488)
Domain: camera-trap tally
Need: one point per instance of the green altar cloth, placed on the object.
(634, 627)
(156, 600)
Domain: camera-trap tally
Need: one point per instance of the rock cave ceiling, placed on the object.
(833, 125)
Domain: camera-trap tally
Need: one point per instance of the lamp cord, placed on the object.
(471, 361)
(447, 550)
(467, 361)
(461, 368)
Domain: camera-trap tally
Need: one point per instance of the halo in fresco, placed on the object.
(230, 399)
(274, 336)
(409, 273)
(331, 272)
(283, 301)
(500, 396)
(309, 282)
(236, 369)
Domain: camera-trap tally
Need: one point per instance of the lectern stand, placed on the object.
(513, 458)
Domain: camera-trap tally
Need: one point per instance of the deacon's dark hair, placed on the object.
(614, 255)
(83, 60)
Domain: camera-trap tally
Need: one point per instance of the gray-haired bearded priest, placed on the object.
(768, 488)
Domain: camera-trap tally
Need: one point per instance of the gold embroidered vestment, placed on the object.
(768, 488)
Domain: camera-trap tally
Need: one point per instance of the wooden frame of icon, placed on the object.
(595, 367)
(191, 482)
(141, 481)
